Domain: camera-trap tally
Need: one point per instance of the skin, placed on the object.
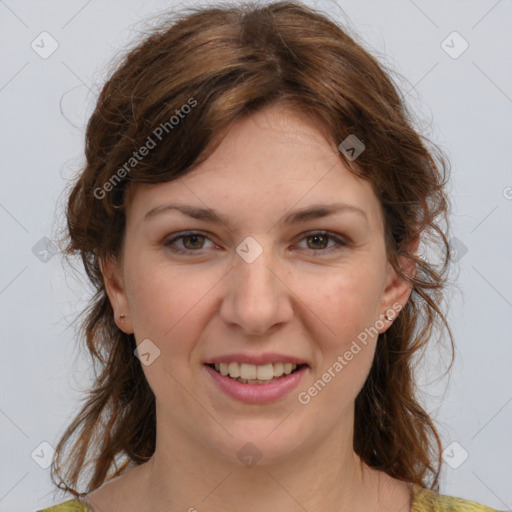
(296, 298)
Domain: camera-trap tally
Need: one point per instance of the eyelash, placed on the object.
(339, 242)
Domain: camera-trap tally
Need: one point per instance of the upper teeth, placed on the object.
(252, 371)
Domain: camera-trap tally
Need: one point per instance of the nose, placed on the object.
(257, 298)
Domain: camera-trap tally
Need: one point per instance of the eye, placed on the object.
(320, 241)
(193, 241)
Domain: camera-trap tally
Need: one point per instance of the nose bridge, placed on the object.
(256, 299)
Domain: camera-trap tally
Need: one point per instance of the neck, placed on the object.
(188, 475)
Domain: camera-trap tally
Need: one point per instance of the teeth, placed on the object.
(253, 372)
(248, 371)
(234, 370)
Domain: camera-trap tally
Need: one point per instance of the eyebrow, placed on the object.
(312, 212)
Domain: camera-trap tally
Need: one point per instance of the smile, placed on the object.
(256, 390)
(255, 374)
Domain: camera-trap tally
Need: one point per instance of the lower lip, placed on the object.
(257, 393)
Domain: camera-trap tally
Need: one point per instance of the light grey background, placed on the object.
(466, 104)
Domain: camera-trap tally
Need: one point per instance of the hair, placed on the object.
(225, 62)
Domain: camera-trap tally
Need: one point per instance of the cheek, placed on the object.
(166, 302)
(342, 303)
(346, 338)
(167, 309)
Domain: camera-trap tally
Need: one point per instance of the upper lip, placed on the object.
(256, 359)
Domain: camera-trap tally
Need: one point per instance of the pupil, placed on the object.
(188, 237)
(316, 237)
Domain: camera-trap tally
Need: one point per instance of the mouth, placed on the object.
(256, 374)
(256, 384)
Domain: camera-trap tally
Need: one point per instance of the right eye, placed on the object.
(192, 242)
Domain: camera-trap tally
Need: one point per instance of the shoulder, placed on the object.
(68, 506)
(426, 500)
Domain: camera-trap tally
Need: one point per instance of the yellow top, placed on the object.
(424, 500)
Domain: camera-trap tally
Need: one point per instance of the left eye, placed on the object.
(321, 238)
(193, 242)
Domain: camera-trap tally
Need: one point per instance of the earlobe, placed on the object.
(398, 289)
(114, 287)
(394, 299)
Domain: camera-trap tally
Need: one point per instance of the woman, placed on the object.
(251, 213)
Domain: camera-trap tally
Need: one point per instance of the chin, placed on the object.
(262, 442)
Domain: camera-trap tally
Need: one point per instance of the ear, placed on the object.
(397, 289)
(114, 286)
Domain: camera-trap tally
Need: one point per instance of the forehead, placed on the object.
(268, 163)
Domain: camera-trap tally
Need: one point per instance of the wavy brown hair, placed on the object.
(232, 60)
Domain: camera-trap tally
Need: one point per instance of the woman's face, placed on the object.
(262, 283)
